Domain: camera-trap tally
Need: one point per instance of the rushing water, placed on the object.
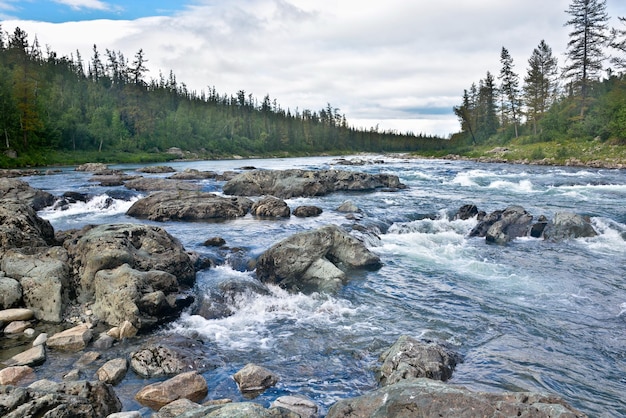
(531, 315)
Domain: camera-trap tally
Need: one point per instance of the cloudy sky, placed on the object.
(398, 64)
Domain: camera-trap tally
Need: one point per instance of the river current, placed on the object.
(531, 315)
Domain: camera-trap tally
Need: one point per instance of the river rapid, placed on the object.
(531, 315)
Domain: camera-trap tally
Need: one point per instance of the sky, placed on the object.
(393, 64)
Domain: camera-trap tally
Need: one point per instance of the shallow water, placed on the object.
(531, 315)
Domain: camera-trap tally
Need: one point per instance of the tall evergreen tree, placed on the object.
(618, 43)
(465, 113)
(487, 116)
(509, 89)
(585, 49)
(540, 83)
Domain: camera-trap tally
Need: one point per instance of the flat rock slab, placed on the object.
(190, 385)
(32, 357)
(16, 314)
(73, 339)
(15, 374)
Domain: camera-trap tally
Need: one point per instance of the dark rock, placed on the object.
(536, 231)
(189, 206)
(158, 360)
(409, 358)
(310, 261)
(214, 242)
(20, 226)
(112, 180)
(567, 225)
(271, 207)
(307, 211)
(466, 212)
(430, 398)
(193, 174)
(219, 300)
(513, 223)
(19, 191)
(109, 246)
(302, 183)
(483, 226)
(70, 400)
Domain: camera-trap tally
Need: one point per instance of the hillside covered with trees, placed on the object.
(56, 109)
(551, 111)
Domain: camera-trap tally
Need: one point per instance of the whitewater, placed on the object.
(531, 315)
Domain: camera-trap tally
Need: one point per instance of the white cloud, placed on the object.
(397, 63)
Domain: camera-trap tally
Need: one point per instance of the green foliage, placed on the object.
(53, 104)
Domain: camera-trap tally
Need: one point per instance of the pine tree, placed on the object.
(618, 42)
(585, 51)
(540, 83)
(509, 89)
(486, 107)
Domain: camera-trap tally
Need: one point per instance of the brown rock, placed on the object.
(190, 385)
(73, 339)
(16, 374)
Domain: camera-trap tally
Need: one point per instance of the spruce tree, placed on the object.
(540, 83)
(509, 89)
(618, 43)
(585, 49)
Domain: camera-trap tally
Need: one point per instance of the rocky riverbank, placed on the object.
(96, 295)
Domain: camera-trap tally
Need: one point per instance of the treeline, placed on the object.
(550, 103)
(51, 102)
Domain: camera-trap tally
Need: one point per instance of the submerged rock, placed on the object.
(430, 398)
(311, 261)
(409, 358)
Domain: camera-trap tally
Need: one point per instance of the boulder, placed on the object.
(409, 358)
(430, 398)
(219, 299)
(72, 339)
(466, 212)
(304, 407)
(176, 409)
(16, 374)
(536, 231)
(271, 207)
(113, 371)
(188, 206)
(20, 226)
(75, 399)
(286, 184)
(144, 184)
(514, 222)
(125, 330)
(214, 242)
(240, 410)
(145, 299)
(10, 293)
(348, 207)
(307, 211)
(18, 191)
(112, 179)
(189, 385)
(32, 357)
(566, 225)
(16, 314)
(193, 174)
(156, 361)
(480, 230)
(156, 169)
(254, 379)
(44, 297)
(109, 246)
(92, 167)
(311, 261)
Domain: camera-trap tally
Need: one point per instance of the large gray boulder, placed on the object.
(144, 298)
(270, 207)
(19, 191)
(188, 206)
(514, 222)
(20, 226)
(409, 358)
(109, 246)
(10, 292)
(80, 399)
(43, 274)
(430, 398)
(314, 260)
(302, 183)
(566, 225)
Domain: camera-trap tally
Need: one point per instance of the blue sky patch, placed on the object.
(57, 11)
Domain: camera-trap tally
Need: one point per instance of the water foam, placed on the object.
(97, 207)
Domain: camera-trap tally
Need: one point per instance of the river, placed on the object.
(531, 315)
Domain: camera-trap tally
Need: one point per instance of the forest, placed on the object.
(57, 109)
(581, 100)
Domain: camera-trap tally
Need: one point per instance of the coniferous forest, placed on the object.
(584, 99)
(59, 104)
